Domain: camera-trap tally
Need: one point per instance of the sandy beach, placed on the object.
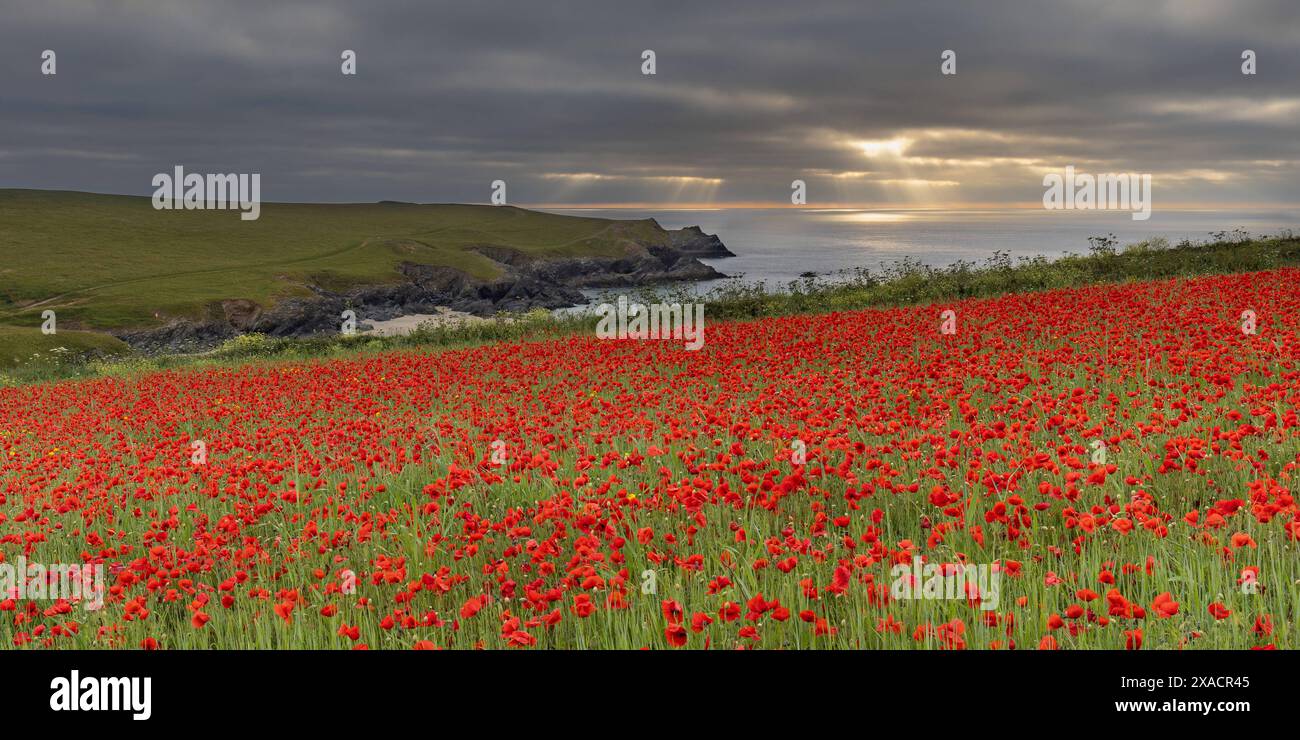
(409, 323)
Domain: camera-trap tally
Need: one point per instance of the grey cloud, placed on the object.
(748, 96)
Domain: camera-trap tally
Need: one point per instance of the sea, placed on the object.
(775, 247)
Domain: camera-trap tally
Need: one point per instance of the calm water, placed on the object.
(776, 246)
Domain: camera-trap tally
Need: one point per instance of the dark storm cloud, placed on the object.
(748, 96)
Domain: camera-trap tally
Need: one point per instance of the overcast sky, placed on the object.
(550, 97)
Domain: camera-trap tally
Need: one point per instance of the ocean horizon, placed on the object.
(777, 246)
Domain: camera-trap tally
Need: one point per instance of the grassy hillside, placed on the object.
(105, 261)
(22, 345)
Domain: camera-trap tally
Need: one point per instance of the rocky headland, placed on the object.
(525, 282)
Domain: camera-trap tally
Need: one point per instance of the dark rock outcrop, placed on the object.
(181, 335)
(693, 242)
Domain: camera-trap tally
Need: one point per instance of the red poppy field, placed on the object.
(1120, 458)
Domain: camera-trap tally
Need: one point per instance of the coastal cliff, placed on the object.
(525, 281)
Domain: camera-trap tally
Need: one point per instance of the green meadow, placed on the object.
(112, 261)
